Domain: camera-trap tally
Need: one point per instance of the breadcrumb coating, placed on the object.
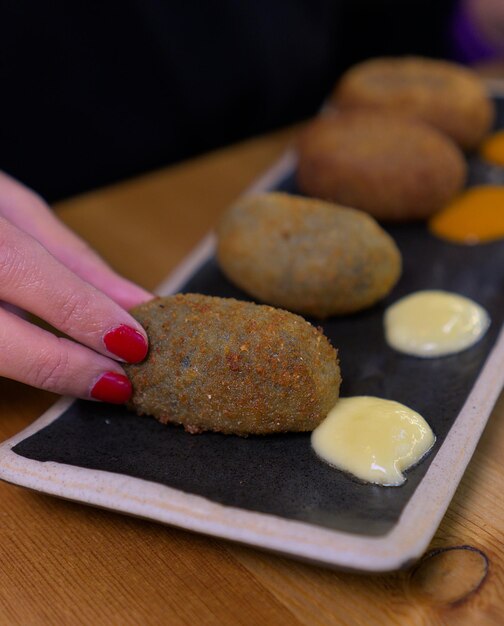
(306, 255)
(229, 366)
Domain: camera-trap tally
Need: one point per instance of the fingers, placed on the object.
(26, 210)
(34, 280)
(38, 358)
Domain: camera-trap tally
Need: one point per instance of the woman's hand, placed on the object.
(49, 271)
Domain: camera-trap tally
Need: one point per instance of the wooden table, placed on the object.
(65, 563)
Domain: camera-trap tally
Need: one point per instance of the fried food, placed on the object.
(449, 96)
(394, 168)
(306, 255)
(233, 367)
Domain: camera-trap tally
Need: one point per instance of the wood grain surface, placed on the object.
(65, 563)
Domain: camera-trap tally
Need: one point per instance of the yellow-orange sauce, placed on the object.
(373, 439)
(477, 215)
(492, 149)
(434, 323)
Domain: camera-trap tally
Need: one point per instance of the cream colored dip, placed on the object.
(434, 323)
(373, 439)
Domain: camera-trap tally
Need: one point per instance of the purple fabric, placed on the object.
(469, 44)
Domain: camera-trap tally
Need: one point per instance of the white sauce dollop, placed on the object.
(434, 323)
(373, 439)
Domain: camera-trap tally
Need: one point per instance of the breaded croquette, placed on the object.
(449, 96)
(306, 255)
(394, 168)
(236, 367)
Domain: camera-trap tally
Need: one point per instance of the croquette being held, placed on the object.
(236, 367)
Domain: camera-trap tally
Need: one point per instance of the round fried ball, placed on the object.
(451, 97)
(306, 255)
(392, 167)
(233, 367)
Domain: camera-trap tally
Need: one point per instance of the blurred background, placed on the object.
(94, 92)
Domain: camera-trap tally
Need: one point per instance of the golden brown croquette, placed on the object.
(234, 367)
(392, 167)
(306, 255)
(451, 97)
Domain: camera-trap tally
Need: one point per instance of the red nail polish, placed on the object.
(126, 343)
(112, 387)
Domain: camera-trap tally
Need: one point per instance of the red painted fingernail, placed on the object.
(112, 387)
(126, 343)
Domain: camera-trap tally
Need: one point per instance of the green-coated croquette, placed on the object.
(235, 367)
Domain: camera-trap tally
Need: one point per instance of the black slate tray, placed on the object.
(280, 475)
